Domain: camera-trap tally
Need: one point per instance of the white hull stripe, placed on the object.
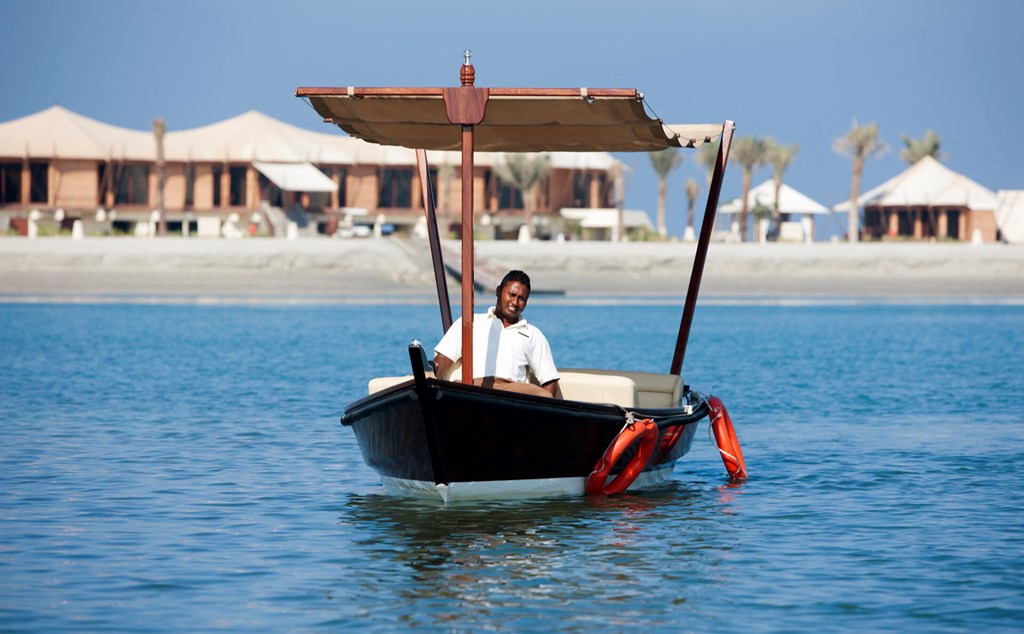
(511, 489)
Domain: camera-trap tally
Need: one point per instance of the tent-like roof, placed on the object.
(514, 119)
(253, 136)
(1010, 215)
(927, 183)
(790, 200)
(59, 133)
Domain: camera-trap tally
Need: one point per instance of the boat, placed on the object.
(611, 430)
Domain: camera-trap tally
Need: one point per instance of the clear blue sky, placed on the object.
(798, 70)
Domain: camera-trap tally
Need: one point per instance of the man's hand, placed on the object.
(441, 366)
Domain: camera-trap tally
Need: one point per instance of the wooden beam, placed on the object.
(701, 254)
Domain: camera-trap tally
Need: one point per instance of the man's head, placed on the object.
(512, 293)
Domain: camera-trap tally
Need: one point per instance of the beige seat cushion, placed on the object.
(575, 386)
(597, 388)
(654, 389)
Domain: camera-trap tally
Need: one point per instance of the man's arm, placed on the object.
(441, 365)
(552, 387)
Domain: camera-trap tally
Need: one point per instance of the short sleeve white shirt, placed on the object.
(502, 352)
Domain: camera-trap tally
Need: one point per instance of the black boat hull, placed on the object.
(457, 441)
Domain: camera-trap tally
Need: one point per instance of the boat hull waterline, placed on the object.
(431, 438)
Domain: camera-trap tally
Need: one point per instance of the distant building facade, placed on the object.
(928, 201)
(255, 170)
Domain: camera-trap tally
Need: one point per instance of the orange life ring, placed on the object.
(644, 432)
(725, 436)
(670, 438)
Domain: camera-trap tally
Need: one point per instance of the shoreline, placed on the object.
(391, 270)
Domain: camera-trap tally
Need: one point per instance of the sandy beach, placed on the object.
(393, 269)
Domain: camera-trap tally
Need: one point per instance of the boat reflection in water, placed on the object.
(493, 556)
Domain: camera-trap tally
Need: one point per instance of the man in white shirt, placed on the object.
(505, 346)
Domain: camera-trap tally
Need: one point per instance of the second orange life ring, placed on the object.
(644, 432)
(725, 436)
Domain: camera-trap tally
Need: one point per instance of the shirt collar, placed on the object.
(519, 324)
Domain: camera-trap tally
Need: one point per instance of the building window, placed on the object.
(190, 186)
(10, 183)
(581, 184)
(395, 189)
(342, 192)
(509, 196)
(39, 191)
(132, 185)
(581, 189)
(217, 171)
(953, 223)
(236, 178)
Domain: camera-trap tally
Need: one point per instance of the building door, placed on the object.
(953, 223)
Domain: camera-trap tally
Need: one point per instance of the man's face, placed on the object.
(511, 301)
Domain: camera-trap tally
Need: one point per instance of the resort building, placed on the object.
(928, 201)
(761, 203)
(254, 174)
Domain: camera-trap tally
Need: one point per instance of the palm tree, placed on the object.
(707, 156)
(525, 172)
(779, 157)
(750, 152)
(159, 128)
(445, 178)
(917, 149)
(692, 191)
(860, 143)
(663, 162)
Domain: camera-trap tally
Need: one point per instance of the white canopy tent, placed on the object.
(607, 220)
(927, 183)
(790, 201)
(1010, 215)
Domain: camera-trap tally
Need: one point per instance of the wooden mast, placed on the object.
(465, 106)
(440, 281)
(702, 247)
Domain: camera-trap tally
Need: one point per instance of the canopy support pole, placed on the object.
(707, 226)
(467, 254)
(440, 280)
(465, 106)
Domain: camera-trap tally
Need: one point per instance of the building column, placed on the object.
(108, 196)
(225, 185)
(918, 227)
(26, 183)
(252, 189)
(595, 192)
(942, 230)
(894, 223)
(416, 196)
(336, 179)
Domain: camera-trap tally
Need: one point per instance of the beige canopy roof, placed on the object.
(59, 133)
(515, 120)
(253, 136)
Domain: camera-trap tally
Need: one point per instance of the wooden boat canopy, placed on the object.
(514, 119)
(472, 119)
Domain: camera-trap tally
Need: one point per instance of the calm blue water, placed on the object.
(176, 468)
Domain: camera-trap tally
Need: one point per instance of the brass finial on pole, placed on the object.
(467, 73)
